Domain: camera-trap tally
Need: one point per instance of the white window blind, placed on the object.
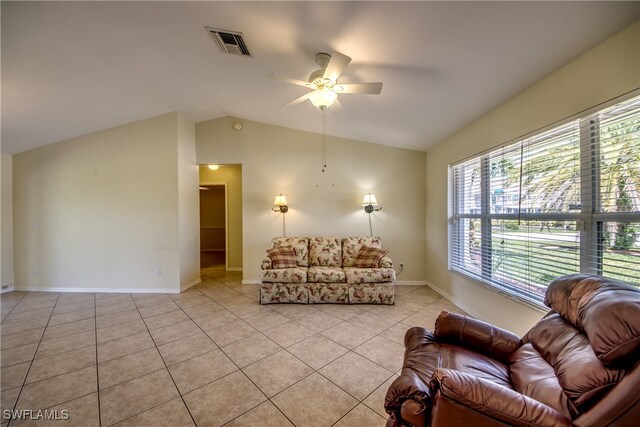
(563, 201)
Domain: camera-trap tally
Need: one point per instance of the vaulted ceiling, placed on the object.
(71, 68)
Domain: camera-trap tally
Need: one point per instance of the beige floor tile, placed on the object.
(221, 401)
(343, 311)
(317, 351)
(193, 300)
(361, 416)
(375, 400)
(119, 307)
(153, 299)
(114, 298)
(166, 319)
(56, 390)
(171, 414)
(204, 307)
(186, 348)
(47, 367)
(33, 305)
(128, 367)
(319, 321)
(220, 293)
(407, 303)
(50, 347)
(372, 322)
(155, 310)
(8, 398)
(289, 333)
(314, 402)
(62, 330)
(13, 376)
(124, 346)
(264, 415)
(59, 319)
(132, 397)
(295, 311)
(251, 349)
(68, 307)
(425, 318)
(405, 289)
(355, 374)
(250, 310)
(384, 352)
(395, 333)
(348, 335)
(277, 372)
(200, 370)
(166, 334)
(24, 325)
(117, 318)
(267, 320)
(391, 312)
(215, 320)
(235, 301)
(82, 412)
(26, 315)
(231, 332)
(120, 330)
(16, 355)
(21, 338)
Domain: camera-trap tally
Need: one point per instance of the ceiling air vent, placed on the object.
(229, 41)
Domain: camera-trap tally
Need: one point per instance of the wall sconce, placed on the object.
(369, 202)
(370, 205)
(213, 167)
(280, 205)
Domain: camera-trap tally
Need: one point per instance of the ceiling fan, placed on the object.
(324, 82)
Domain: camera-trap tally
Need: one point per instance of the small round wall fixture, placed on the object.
(237, 126)
(214, 167)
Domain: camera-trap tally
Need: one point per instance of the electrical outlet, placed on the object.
(5, 286)
(157, 272)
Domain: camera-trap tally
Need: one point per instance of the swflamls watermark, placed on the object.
(40, 414)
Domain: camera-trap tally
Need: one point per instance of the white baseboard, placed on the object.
(100, 290)
(450, 298)
(411, 282)
(234, 269)
(190, 284)
(8, 289)
(251, 282)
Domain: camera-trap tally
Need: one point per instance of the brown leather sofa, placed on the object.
(579, 365)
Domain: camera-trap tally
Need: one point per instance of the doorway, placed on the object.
(213, 227)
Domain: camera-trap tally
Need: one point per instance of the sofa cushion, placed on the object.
(369, 275)
(369, 257)
(300, 247)
(325, 275)
(351, 246)
(372, 293)
(284, 275)
(271, 293)
(325, 251)
(282, 257)
(608, 311)
(328, 293)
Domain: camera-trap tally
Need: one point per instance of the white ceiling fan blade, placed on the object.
(336, 66)
(289, 80)
(298, 100)
(368, 88)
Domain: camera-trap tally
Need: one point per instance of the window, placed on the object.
(563, 201)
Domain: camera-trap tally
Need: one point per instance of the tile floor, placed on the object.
(209, 356)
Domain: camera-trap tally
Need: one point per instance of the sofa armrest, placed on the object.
(408, 399)
(267, 264)
(494, 401)
(386, 262)
(476, 335)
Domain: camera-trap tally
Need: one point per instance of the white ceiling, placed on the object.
(72, 68)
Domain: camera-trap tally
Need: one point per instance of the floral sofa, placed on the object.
(325, 271)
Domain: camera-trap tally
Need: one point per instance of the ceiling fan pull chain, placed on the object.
(324, 139)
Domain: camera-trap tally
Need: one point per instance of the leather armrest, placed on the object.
(495, 401)
(476, 335)
(385, 262)
(408, 387)
(267, 264)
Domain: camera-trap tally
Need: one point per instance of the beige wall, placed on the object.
(232, 176)
(188, 204)
(281, 160)
(607, 71)
(102, 211)
(6, 232)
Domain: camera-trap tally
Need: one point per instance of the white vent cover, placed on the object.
(229, 41)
